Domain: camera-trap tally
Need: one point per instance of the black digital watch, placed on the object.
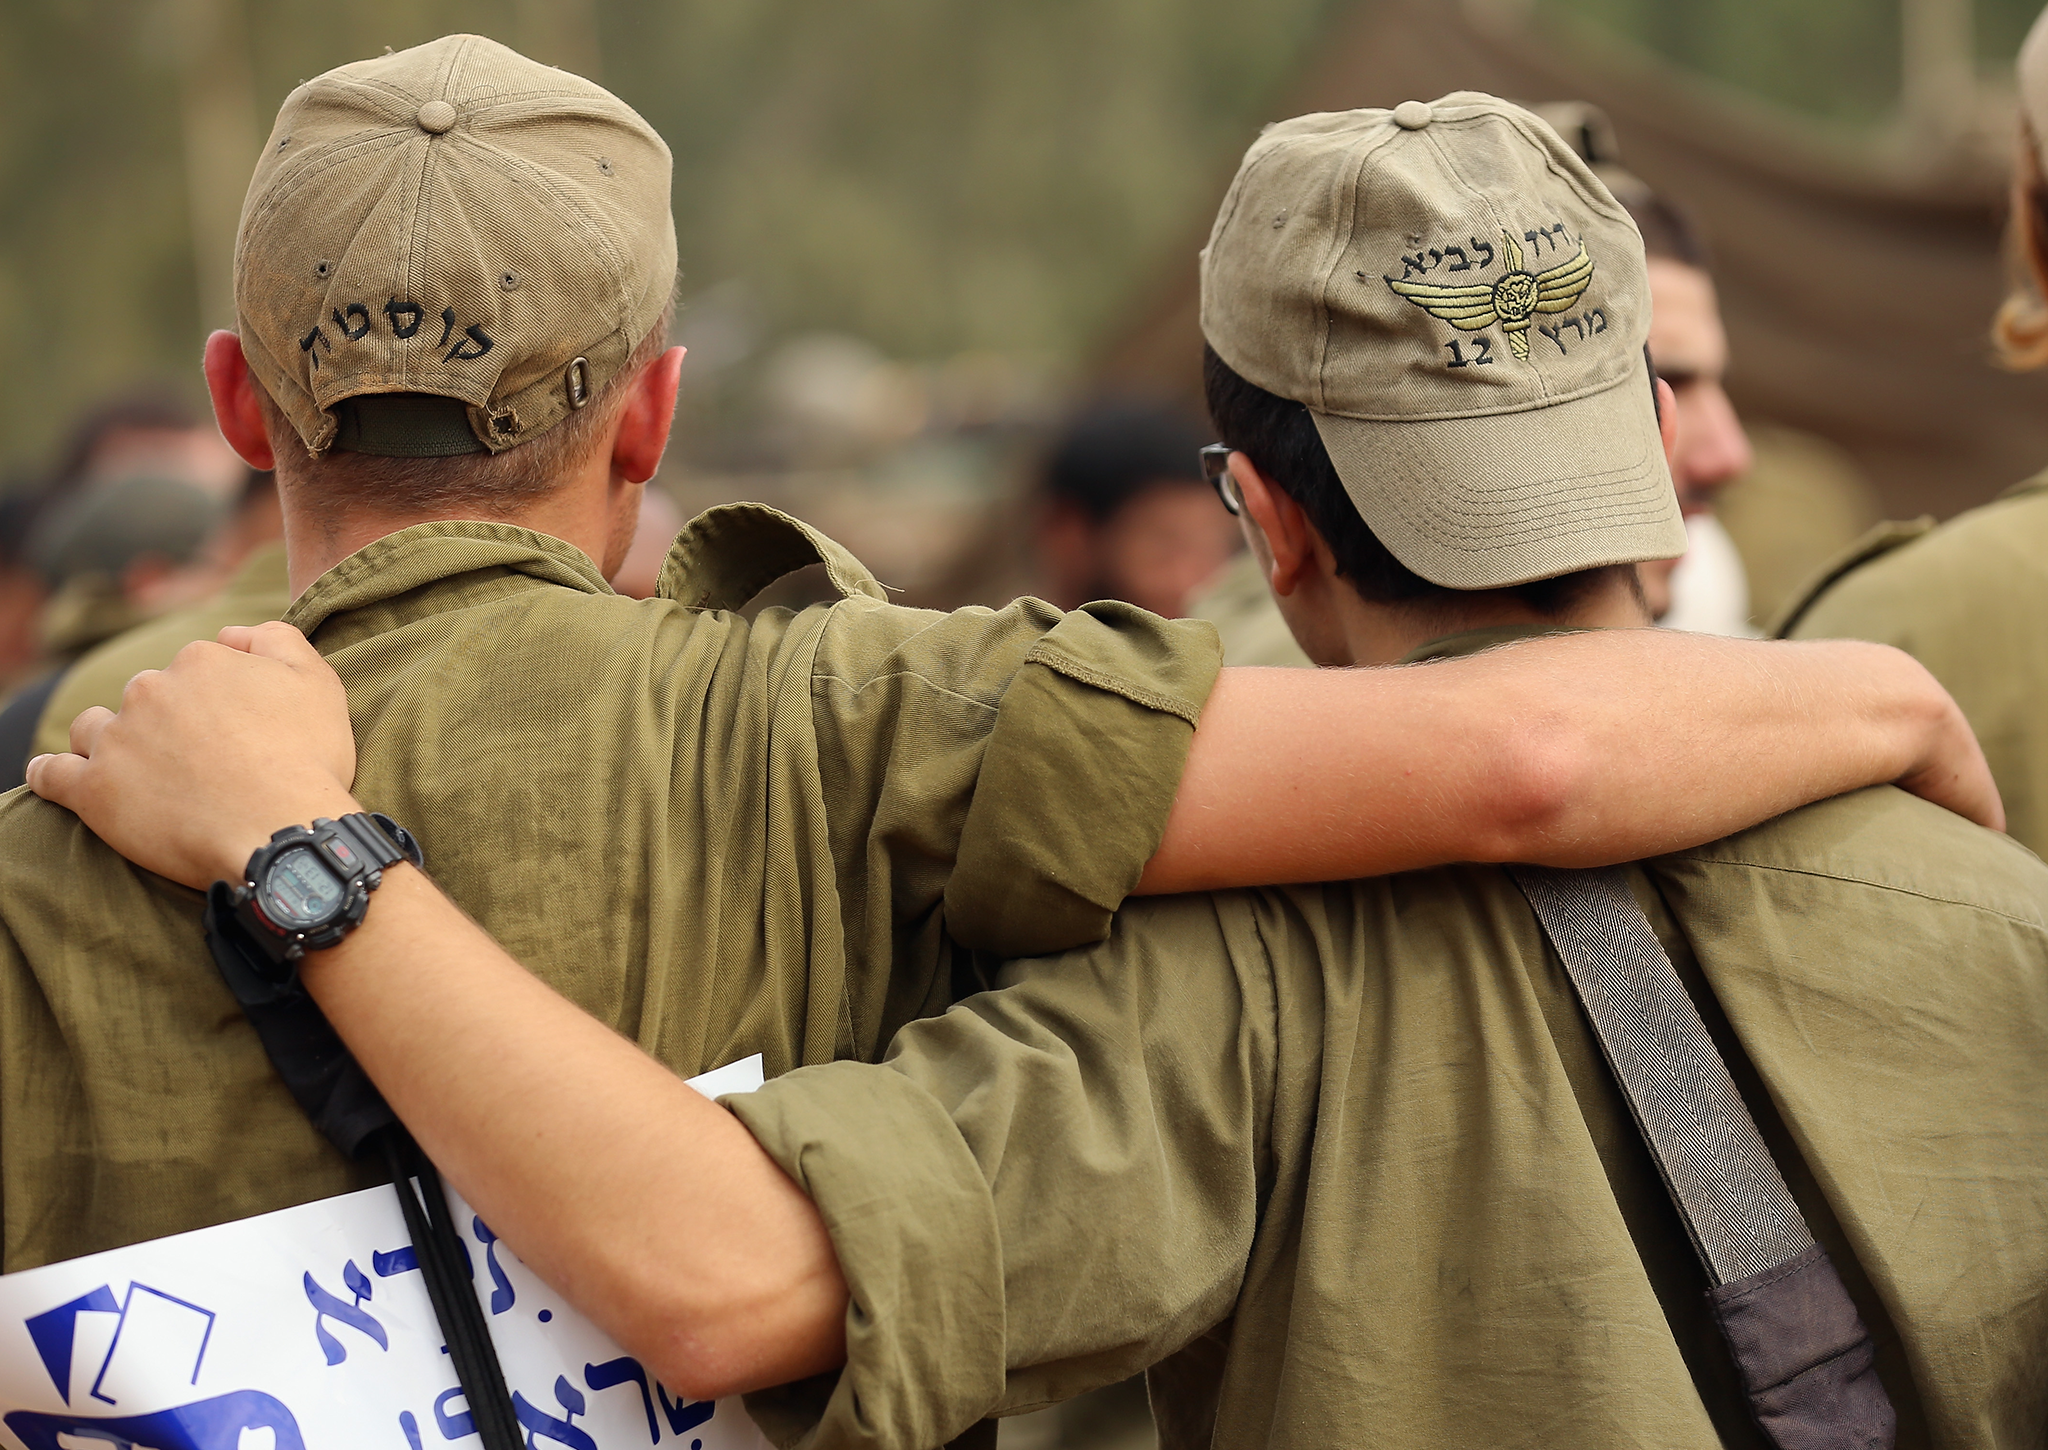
(309, 888)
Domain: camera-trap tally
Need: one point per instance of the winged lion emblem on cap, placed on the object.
(1510, 300)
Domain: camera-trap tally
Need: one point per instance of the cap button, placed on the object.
(1409, 115)
(437, 116)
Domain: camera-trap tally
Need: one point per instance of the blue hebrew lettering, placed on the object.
(358, 1282)
(453, 1427)
(501, 1287)
(326, 1306)
(52, 1332)
(398, 1261)
(625, 1370)
(684, 1414)
(411, 1427)
(215, 1424)
(538, 1424)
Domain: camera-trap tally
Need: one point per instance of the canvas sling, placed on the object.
(1805, 1360)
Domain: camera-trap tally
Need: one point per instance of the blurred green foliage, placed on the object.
(1834, 59)
(931, 175)
(934, 176)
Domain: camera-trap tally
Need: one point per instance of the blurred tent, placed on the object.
(1858, 281)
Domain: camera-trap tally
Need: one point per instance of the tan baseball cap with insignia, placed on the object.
(449, 249)
(1463, 309)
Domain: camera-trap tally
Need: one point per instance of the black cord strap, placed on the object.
(444, 1263)
(335, 1093)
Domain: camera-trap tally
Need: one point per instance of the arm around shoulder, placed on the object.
(1574, 750)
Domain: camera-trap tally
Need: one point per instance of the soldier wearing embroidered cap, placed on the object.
(1349, 1157)
(1968, 599)
(718, 837)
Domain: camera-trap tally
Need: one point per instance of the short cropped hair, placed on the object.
(489, 482)
(1280, 438)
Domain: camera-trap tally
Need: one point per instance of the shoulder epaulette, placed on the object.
(727, 555)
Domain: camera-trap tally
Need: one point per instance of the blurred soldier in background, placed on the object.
(141, 433)
(1703, 589)
(110, 554)
(238, 577)
(1970, 599)
(1127, 515)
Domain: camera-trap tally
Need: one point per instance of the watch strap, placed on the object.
(380, 839)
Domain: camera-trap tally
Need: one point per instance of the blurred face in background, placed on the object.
(1690, 351)
(1161, 545)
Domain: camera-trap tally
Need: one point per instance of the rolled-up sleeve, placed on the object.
(1048, 1188)
(1015, 765)
(1080, 775)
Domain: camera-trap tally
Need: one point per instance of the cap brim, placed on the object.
(1489, 502)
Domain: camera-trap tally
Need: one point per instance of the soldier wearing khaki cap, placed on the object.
(1349, 1157)
(1970, 599)
(724, 839)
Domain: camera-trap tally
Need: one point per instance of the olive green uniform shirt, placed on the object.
(719, 838)
(1969, 600)
(258, 591)
(1348, 1160)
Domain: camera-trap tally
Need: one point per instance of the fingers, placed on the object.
(58, 778)
(280, 641)
(87, 729)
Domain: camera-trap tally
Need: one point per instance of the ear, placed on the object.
(233, 388)
(1667, 421)
(1290, 538)
(646, 416)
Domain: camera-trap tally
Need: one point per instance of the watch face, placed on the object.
(299, 891)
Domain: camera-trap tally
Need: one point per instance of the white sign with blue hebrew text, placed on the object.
(310, 1329)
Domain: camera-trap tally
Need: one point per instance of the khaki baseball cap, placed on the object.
(454, 222)
(1462, 307)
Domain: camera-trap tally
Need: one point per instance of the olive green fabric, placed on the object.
(1247, 620)
(258, 591)
(1348, 1155)
(1969, 601)
(719, 838)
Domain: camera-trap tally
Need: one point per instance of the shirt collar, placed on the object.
(425, 553)
(1472, 641)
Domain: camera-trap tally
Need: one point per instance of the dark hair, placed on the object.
(1113, 450)
(1280, 438)
(1668, 229)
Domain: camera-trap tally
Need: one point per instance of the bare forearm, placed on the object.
(676, 1232)
(1570, 751)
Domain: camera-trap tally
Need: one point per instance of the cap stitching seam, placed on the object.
(1551, 400)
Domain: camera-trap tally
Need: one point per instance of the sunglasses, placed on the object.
(1216, 468)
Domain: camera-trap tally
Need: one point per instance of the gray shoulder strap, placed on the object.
(1802, 1351)
(1706, 1145)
